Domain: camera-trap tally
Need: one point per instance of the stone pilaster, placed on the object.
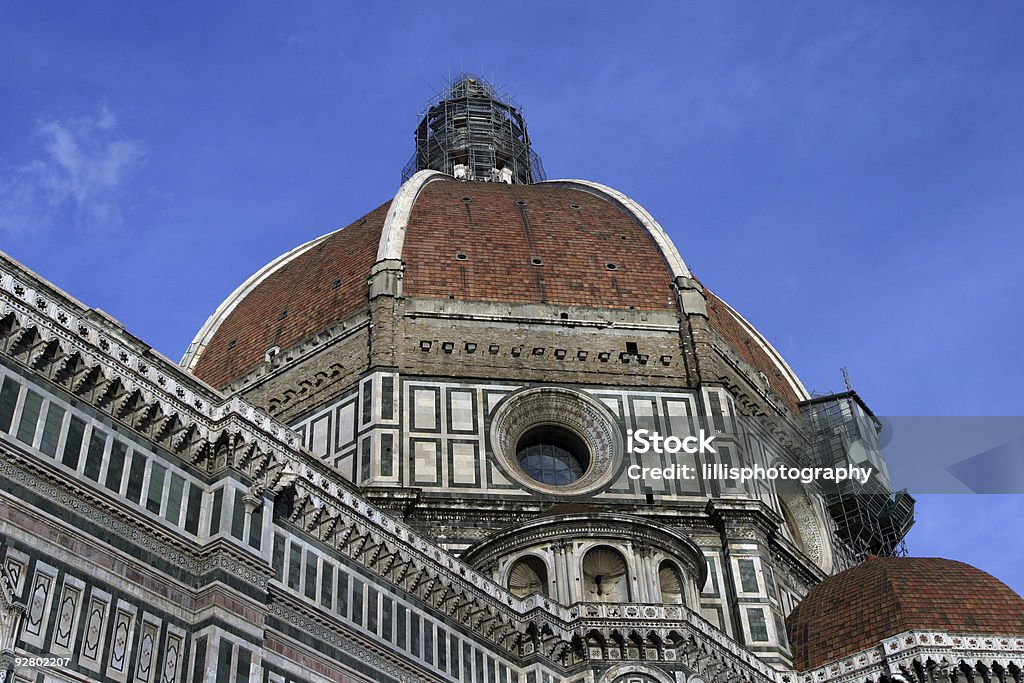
(745, 527)
(11, 612)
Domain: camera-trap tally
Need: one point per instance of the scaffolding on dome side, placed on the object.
(472, 131)
(871, 518)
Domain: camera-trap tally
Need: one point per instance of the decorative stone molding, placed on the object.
(926, 657)
(152, 541)
(807, 524)
(572, 410)
(623, 530)
(88, 355)
(11, 613)
(640, 214)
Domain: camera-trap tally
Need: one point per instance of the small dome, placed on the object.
(885, 596)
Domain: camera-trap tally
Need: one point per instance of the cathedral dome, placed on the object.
(566, 243)
(886, 596)
(552, 243)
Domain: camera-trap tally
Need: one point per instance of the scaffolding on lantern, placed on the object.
(472, 131)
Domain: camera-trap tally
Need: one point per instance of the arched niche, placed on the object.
(528, 575)
(670, 580)
(605, 575)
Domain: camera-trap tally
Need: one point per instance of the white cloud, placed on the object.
(80, 176)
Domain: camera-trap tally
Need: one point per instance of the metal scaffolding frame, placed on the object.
(472, 131)
(869, 517)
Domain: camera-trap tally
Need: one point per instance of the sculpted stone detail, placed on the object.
(88, 354)
(926, 657)
(11, 614)
(807, 527)
(567, 409)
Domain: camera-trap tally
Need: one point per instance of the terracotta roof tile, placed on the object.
(882, 597)
(296, 301)
(723, 322)
(500, 228)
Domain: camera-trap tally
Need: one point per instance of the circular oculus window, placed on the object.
(556, 440)
(553, 455)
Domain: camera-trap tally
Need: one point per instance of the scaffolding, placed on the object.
(869, 517)
(474, 132)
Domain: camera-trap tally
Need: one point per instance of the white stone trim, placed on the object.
(893, 654)
(392, 236)
(392, 239)
(794, 382)
(657, 233)
(212, 324)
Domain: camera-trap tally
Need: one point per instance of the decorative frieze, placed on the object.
(927, 657)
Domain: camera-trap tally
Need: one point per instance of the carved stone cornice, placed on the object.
(92, 357)
(743, 518)
(925, 657)
(76, 498)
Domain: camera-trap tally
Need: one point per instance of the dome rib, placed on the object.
(212, 324)
(761, 355)
(654, 229)
(297, 296)
(392, 235)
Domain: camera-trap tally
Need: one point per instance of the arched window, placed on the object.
(605, 578)
(528, 576)
(671, 582)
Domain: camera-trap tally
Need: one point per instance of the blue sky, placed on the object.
(847, 175)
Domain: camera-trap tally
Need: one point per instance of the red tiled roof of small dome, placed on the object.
(883, 597)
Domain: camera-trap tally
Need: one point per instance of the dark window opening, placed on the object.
(553, 455)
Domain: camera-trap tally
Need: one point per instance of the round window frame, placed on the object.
(588, 419)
